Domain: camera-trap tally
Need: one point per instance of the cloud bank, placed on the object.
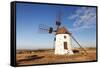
(84, 18)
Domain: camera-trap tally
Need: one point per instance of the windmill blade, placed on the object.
(45, 29)
(58, 18)
(43, 26)
(54, 42)
(79, 44)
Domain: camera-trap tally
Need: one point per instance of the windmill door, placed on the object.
(65, 45)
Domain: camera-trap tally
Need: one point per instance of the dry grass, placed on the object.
(46, 56)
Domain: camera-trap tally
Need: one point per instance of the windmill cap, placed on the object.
(62, 30)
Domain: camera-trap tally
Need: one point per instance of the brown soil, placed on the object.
(47, 56)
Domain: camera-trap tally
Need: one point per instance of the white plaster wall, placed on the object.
(59, 44)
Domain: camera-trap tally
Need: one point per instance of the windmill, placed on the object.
(62, 40)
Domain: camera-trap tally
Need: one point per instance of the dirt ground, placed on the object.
(47, 56)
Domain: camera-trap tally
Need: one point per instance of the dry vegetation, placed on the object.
(47, 56)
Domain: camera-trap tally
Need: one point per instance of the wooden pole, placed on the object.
(79, 44)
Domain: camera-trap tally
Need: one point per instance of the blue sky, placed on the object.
(80, 21)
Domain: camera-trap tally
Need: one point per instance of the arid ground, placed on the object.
(47, 56)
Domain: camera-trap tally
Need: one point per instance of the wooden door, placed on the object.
(65, 45)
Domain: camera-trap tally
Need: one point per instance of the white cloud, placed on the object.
(84, 18)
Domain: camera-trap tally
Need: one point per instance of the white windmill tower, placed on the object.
(62, 40)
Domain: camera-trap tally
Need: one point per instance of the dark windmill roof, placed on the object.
(62, 30)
